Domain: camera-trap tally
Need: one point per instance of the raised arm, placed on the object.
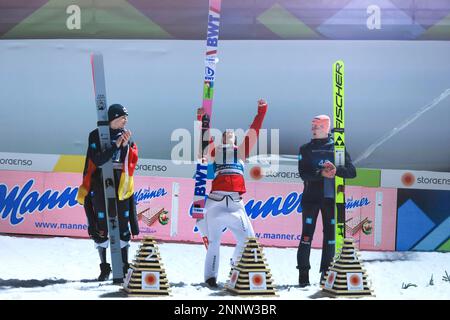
(251, 137)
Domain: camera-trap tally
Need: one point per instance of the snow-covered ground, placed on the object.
(64, 268)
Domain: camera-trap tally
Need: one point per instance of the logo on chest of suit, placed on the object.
(322, 162)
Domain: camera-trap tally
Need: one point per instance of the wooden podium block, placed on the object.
(251, 276)
(346, 276)
(146, 275)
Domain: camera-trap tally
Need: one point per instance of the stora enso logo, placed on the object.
(408, 179)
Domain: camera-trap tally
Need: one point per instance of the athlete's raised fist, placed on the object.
(262, 106)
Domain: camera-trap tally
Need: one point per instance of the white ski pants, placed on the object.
(225, 210)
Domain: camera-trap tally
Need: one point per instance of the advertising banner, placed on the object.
(423, 220)
(45, 203)
(408, 179)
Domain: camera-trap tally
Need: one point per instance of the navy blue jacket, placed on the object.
(312, 156)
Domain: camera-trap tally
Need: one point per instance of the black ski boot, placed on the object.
(126, 265)
(105, 271)
(303, 279)
(211, 282)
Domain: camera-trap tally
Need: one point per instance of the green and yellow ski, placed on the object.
(339, 152)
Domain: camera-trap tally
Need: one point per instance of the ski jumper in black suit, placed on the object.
(318, 194)
(94, 202)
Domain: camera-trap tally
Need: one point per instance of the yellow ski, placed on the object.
(339, 152)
